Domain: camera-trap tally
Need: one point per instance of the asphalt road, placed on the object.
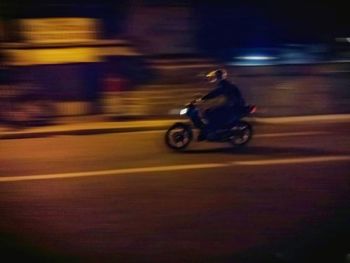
(127, 198)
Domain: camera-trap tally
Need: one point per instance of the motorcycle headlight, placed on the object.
(183, 111)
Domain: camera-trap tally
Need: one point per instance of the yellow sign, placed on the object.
(23, 57)
(59, 30)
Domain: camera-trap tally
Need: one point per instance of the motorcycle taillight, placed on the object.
(252, 109)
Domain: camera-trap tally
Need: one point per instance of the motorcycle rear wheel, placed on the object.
(242, 134)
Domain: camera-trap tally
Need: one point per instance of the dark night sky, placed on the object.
(224, 23)
(264, 23)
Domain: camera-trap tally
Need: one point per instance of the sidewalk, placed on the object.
(106, 124)
(85, 126)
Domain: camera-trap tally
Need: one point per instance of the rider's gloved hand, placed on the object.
(199, 100)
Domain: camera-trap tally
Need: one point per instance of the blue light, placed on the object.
(256, 57)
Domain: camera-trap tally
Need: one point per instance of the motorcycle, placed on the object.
(238, 132)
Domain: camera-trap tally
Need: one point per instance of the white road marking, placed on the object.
(295, 160)
(115, 172)
(176, 168)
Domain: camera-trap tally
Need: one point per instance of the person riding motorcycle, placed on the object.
(229, 110)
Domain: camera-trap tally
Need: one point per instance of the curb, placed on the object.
(92, 131)
(329, 118)
(95, 130)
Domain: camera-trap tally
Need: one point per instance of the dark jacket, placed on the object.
(229, 91)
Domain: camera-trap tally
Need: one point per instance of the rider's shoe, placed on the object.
(202, 135)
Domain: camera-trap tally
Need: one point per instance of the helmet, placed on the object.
(216, 75)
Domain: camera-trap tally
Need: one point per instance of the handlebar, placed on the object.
(195, 101)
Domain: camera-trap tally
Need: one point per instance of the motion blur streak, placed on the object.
(114, 172)
(176, 168)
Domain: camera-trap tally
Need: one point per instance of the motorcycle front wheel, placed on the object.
(178, 136)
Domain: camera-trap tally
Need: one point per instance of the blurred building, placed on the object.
(65, 49)
(162, 29)
(75, 49)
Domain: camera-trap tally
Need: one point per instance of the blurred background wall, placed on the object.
(79, 51)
